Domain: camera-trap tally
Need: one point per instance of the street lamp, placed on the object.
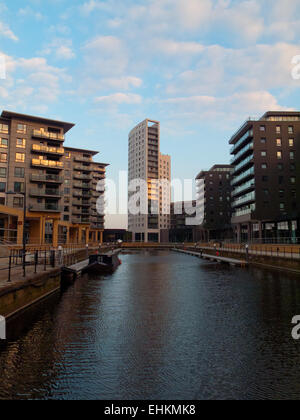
(24, 220)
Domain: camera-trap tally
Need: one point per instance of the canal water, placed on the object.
(163, 326)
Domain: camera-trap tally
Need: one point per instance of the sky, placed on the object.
(200, 67)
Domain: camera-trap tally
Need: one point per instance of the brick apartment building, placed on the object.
(266, 178)
(60, 183)
(214, 200)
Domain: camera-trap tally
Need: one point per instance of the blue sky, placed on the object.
(201, 67)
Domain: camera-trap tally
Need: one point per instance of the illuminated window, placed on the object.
(3, 128)
(20, 157)
(4, 143)
(291, 142)
(279, 155)
(21, 129)
(21, 143)
(279, 142)
(3, 157)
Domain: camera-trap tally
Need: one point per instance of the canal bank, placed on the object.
(41, 280)
(276, 258)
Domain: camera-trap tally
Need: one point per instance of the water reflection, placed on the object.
(164, 326)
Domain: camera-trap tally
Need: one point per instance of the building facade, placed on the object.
(214, 202)
(60, 184)
(266, 178)
(145, 162)
(179, 230)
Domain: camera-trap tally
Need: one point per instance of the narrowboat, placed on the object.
(103, 263)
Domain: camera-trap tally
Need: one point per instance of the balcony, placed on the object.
(80, 203)
(48, 178)
(82, 177)
(83, 159)
(242, 165)
(244, 199)
(243, 188)
(36, 148)
(241, 178)
(43, 134)
(244, 212)
(241, 141)
(242, 153)
(97, 225)
(41, 163)
(100, 170)
(83, 168)
(82, 194)
(81, 185)
(81, 220)
(81, 212)
(51, 208)
(48, 192)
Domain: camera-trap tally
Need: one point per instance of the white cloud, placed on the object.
(61, 48)
(29, 12)
(119, 98)
(6, 32)
(106, 55)
(90, 6)
(229, 107)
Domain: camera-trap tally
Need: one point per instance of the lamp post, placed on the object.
(24, 221)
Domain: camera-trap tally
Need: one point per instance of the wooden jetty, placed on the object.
(216, 258)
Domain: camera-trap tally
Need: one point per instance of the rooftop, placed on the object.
(23, 117)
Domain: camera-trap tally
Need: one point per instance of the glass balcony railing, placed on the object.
(51, 207)
(236, 146)
(46, 178)
(45, 192)
(244, 162)
(244, 199)
(248, 147)
(245, 174)
(45, 149)
(47, 163)
(244, 187)
(47, 135)
(243, 212)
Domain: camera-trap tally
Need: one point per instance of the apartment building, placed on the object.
(179, 230)
(266, 178)
(145, 162)
(214, 202)
(34, 163)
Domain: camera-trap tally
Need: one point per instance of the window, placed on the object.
(19, 172)
(2, 187)
(280, 166)
(291, 129)
(3, 128)
(20, 157)
(3, 157)
(263, 140)
(67, 190)
(281, 193)
(263, 128)
(4, 143)
(282, 206)
(3, 172)
(67, 155)
(279, 155)
(292, 155)
(19, 187)
(265, 178)
(263, 154)
(279, 142)
(18, 202)
(21, 143)
(293, 167)
(21, 129)
(264, 166)
(291, 142)
(293, 180)
(278, 129)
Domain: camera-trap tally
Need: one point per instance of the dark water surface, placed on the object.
(164, 326)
